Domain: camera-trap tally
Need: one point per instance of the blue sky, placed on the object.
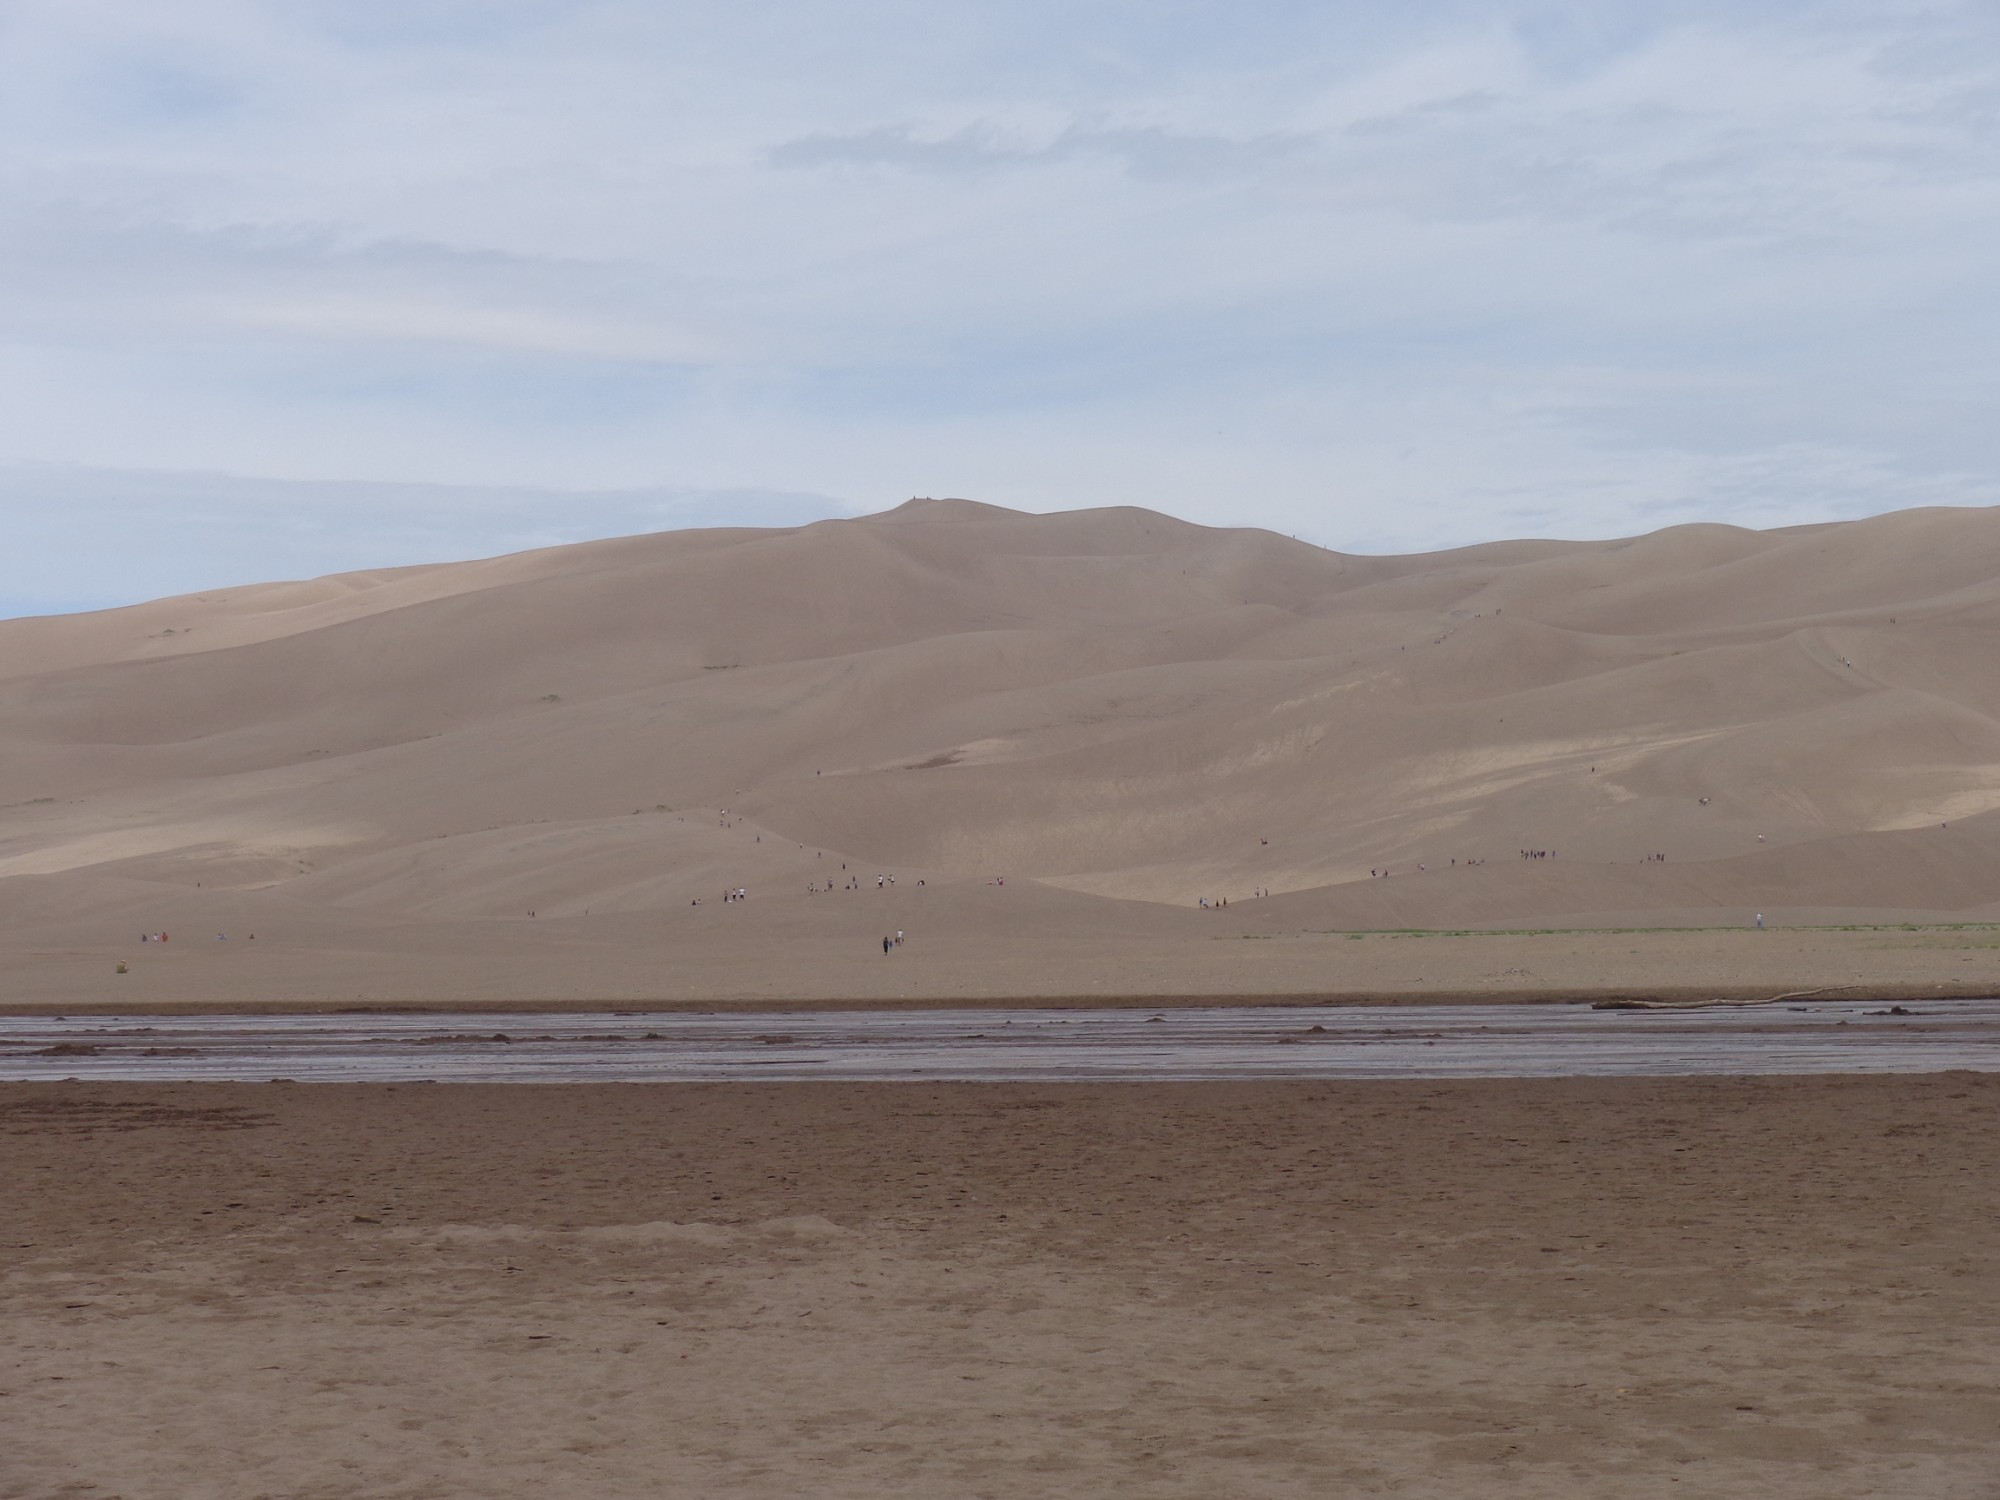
(293, 287)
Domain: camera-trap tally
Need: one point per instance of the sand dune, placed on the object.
(1116, 712)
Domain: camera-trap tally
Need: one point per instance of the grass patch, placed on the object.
(1422, 932)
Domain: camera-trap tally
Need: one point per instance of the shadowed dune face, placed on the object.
(1112, 705)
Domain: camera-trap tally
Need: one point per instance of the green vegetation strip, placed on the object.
(1609, 931)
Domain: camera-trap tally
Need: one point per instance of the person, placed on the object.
(885, 945)
(1760, 921)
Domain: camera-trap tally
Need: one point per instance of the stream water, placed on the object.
(1486, 1041)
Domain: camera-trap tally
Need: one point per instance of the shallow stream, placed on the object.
(1025, 1045)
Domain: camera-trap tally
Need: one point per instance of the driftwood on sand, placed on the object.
(1825, 989)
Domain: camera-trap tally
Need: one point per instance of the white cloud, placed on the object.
(1472, 267)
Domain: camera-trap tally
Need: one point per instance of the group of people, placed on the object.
(1216, 903)
(893, 942)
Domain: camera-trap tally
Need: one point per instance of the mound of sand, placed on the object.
(1115, 712)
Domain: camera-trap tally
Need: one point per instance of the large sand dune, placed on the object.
(1115, 712)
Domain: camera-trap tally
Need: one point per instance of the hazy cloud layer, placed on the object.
(101, 536)
(1389, 277)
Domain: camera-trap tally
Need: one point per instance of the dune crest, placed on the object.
(1116, 708)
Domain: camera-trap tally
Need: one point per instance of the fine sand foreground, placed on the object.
(1757, 1288)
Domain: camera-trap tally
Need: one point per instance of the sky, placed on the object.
(289, 287)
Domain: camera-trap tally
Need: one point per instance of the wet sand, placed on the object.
(1551, 1288)
(990, 1045)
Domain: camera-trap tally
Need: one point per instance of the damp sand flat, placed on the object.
(1527, 1041)
(1545, 1289)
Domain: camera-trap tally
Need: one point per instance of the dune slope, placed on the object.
(1122, 711)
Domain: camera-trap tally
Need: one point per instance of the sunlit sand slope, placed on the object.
(1125, 711)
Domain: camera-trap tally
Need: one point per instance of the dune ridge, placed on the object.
(1116, 713)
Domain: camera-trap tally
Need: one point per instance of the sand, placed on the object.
(514, 778)
(1755, 1287)
(1048, 748)
(1195, 958)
